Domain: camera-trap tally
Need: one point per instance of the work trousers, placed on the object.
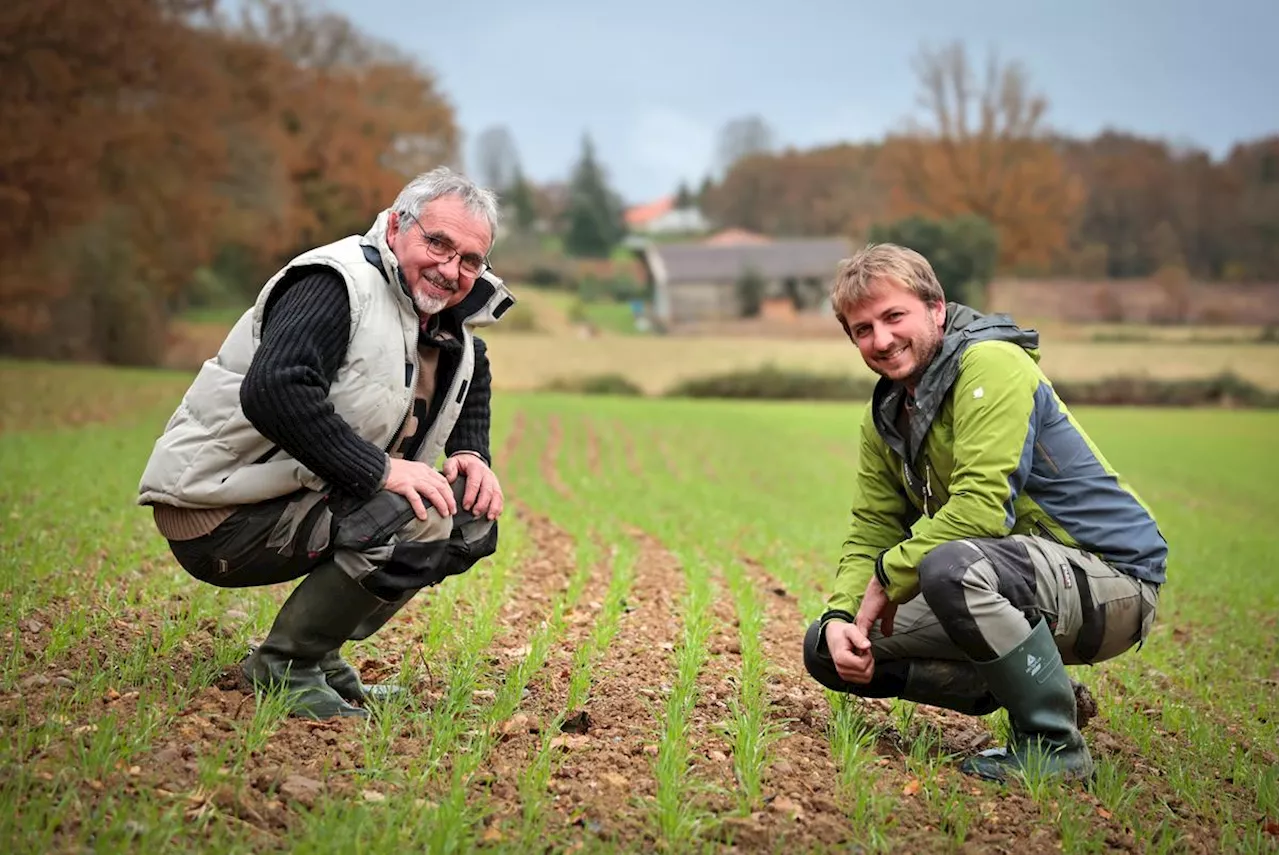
(979, 598)
(378, 542)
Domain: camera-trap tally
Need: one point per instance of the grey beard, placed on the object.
(429, 305)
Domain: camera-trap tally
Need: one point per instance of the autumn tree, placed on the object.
(1251, 204)
(148, 144)
(361, 117)
(109, 154)
(834, 190)
(1149, 205)
(982, 148)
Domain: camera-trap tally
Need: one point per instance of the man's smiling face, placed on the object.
(897, 333)
(446, 227)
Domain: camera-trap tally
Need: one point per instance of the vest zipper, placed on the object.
(413, 388)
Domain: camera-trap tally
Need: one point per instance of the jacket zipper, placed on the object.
(928, 488)
(927, 494)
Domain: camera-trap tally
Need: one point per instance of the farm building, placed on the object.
(700, 282)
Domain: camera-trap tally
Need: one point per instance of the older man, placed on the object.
(306, 447)
(991, 542)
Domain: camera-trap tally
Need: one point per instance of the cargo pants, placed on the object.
(980, 597)
(378, 542)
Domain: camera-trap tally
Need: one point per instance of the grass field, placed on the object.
(623, 676)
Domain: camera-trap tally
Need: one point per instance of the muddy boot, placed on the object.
(316, 619)
(345, 679)
(949, 684)
(1032, 684)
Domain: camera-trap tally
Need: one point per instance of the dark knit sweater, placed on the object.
(285, 393)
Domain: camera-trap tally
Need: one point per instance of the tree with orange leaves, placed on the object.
(983, 150)
(145, 139)
(108, 157)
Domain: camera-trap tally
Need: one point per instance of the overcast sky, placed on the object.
(653, 82)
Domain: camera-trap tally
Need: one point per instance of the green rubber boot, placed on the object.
(1032, 684)
(949, 684)
(345, 679)
(320, 614)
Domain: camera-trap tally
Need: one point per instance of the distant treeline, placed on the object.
(1117, 205)
(1113, 206)
(156, 154)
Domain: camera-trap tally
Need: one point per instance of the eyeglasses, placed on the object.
(439, 249)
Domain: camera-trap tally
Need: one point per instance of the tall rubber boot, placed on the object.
(342, 677)
(1032, 684)
(949, 684)
(320, 614)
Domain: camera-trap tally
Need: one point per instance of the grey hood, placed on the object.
(964, 326)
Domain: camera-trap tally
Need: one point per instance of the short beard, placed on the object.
(926, 361)
(429, 305)
(433, 305)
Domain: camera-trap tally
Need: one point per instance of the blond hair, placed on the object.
(858, 276)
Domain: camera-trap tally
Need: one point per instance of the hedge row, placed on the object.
(785, 384)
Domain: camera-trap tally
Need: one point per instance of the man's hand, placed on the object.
(876, 604)
(416, 481)
(483, 496)
(850, 651)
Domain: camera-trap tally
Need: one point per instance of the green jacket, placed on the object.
(990, 451)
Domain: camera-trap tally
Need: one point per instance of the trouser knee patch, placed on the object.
(374, 522)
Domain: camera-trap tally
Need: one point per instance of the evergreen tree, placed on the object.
(705, 189)
(594, 212)
(684, 199)
(520, 202)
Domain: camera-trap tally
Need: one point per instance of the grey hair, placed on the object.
(443, 181)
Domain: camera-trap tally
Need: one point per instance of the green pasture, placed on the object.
(1185, 741)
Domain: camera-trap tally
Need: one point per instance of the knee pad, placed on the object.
(374, 522)
(942, 570)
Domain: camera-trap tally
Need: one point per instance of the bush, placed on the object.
(520, 318)
(619, 287)
(1224, 390)
(547, 277)
(528, 258)
(784, 384)
(772, 383)
(595, 384)
(962, 250)
(750, 288)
